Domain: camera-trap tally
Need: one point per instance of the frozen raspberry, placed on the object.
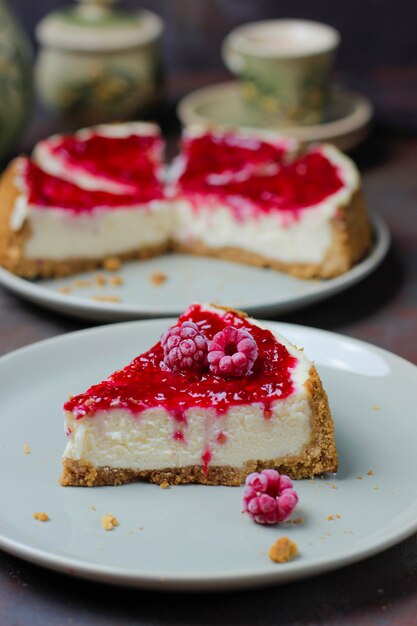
(232, 352)
(268, 497)
(185, 347)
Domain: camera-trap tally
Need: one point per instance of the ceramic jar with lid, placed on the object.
(15, 80)
(98, 64)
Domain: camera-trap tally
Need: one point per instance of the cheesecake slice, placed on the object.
(256, 199)
(83, 199)
(219, 396)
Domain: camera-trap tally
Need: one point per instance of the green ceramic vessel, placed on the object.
(97, 64)
(15, 80)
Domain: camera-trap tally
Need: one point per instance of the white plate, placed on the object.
(195, 537)
(262, 292)
(346, 125)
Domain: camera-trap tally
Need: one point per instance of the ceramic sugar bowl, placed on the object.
(98, 64)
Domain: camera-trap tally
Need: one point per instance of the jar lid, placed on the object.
(91, 27)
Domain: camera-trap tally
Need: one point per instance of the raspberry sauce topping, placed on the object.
(227, 153)
(144, 384)
(48, 191)
(129, 160)
(278, 185)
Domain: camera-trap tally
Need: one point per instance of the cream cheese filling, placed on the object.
(60, 235)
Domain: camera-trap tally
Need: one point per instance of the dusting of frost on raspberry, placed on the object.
(185, 347)
(269, 497)
(232, 352)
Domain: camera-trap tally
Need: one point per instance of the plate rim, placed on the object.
(238, 579)
(359, 118)
(104, 311)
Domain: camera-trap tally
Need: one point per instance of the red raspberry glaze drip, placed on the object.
(143, 384)
(282, 186)
(218, 154)
(48, 191)
(107, 156)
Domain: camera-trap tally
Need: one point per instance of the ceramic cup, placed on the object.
(284, 67)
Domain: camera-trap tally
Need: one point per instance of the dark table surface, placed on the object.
(382, 310)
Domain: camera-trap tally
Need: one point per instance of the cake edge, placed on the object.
(12, 243)
(318, 456)
(351, 242)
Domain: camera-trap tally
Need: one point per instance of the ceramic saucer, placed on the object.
(221, 104)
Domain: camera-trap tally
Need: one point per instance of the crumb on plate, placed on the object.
(283, 550)
(370, 473)
(26, 448)
(109, 522)
(41, 516)
(113, 299)
(158, 278)
(81, 283)
(64, 290)
(100, 280)
(164, 485)
(330, 518)
(116, 281)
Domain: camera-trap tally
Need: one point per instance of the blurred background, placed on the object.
(374, 32)
(378, 52)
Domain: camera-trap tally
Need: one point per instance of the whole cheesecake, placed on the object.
(238, 195)
(219, 396)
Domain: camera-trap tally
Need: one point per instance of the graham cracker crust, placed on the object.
(318, 456)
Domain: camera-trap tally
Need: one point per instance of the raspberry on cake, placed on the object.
(257, 200)
(169, 417)
(83, 200)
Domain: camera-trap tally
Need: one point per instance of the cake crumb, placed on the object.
(42, 516)
(358, 477)
(376, 488)
(283, 550)
(112, 263)
(330, 518)
(164, 485)
(26, 448)
(333, 486)
(338, 516)
(158, 278)
(296, 520)
(109, 522)
(100, 280)
(116, 281)
(375, 407)
(114, 299)
(93, 507)
(370, 473)
(81, 283)
(64, 290)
